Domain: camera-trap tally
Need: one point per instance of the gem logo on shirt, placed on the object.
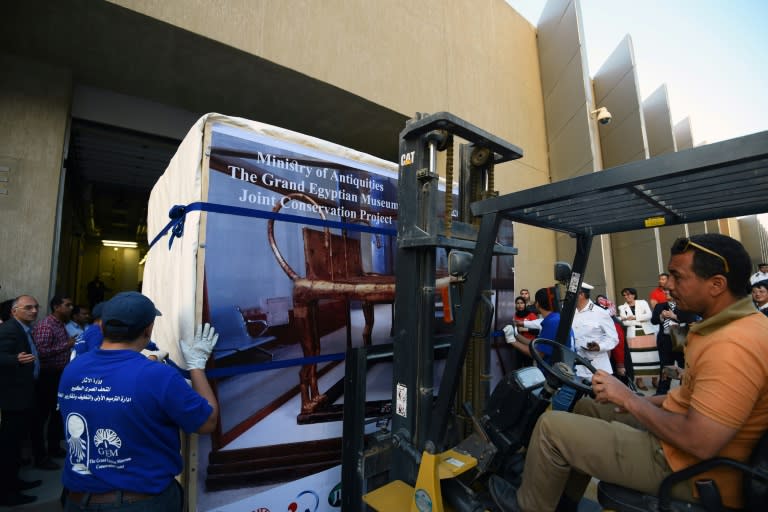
(77, 440)
(107, 442)
(108, 445)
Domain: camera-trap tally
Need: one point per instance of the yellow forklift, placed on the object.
(441, 441)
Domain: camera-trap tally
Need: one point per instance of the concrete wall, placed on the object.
(474, 58)
(34, 112)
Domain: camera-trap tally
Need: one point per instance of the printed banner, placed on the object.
(289, 292)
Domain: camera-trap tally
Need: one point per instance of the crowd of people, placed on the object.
(77, 378)
(650, 335)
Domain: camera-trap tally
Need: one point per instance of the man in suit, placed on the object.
(18, 369)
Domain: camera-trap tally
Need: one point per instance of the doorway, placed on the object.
(110, 172)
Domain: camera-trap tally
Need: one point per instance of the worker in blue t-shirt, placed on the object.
(546, 302)
(111, 397)
(91, 337)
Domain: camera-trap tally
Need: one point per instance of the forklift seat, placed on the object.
(755, 486)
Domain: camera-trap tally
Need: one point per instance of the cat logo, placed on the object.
(407, 158)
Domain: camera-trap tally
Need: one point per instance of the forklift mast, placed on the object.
(430, 226)
(424, 227)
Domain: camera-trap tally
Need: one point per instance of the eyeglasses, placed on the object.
(29, 307)
(686, 243)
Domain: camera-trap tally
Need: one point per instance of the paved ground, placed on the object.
(47, 494)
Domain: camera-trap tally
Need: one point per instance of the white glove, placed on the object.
(159, 355)
(510, 331)
(197, 351)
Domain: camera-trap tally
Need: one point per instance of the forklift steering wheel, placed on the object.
(562, 367)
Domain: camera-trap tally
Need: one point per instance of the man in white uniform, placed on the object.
(760, 275)
(595, 333)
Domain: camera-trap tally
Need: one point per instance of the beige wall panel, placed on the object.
(567, 98)
(667, 236)
(534, 264)
(614, 70)
(697, 228)
(729, 227)
(684, 134)
(34, 111)
(625, 143)
(623, 140)
(658, 123)
(634, 261)
(616, 88)
(587, 167)
(571, 149)
(519, 176)
(558, 42)
(755, 239)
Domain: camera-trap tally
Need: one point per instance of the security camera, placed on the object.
(602, 115)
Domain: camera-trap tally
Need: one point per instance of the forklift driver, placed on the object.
(720, 409)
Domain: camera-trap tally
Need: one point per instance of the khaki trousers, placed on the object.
(567, 449)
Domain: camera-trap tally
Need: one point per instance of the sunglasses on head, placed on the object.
(684, 244)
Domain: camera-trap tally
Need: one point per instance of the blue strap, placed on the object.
(252, 368)
(179, 212)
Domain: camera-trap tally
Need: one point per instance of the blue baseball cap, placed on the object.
(96, 313)
(128, 313)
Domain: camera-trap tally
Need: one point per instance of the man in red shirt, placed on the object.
(54, 346)
(658, 295)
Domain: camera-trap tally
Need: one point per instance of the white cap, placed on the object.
(587, 286)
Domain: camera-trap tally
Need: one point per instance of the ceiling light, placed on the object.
(118, 243)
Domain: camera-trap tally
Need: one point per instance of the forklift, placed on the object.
(441, 442)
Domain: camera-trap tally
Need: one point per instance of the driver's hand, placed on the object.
(608, 388)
